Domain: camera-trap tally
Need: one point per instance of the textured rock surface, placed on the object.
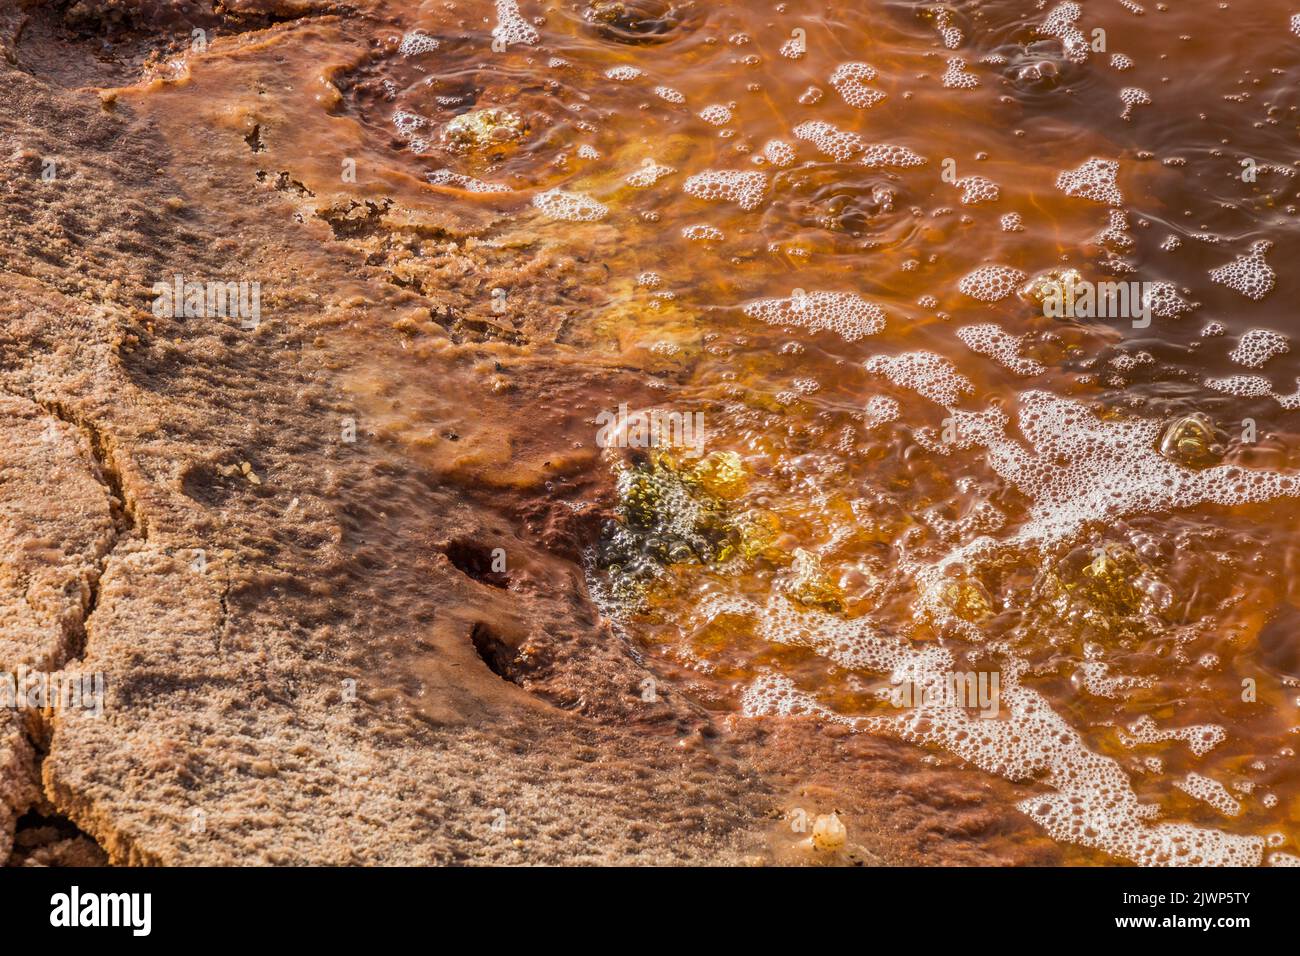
(182, 511)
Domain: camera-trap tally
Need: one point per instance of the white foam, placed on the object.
(1116, 234)
(511, 26)
(1012, 222)
(949, 32)
(623, 74)
(1242, 386)
(1201, 738)
(778, 152)
(999, 345)
(1077, 470)
(417, 42)
(1257, 346)
(793, 48)
(844, 313)
(886, 154)
(716, 114)
(745, 189)
(1096, 679)
(1132, 97)
(647, 174)
(1163, 300)
(1211, 792)
(991, 283)
(1095, 180)
(829, 139)
(977, 189)
(445, 177)
(929, 375)
(1062, 23)
(879, 410)
(1093, 803)
(569, 206)
(702, 232)
(1249, 275)
(850, 81)
(955, 76)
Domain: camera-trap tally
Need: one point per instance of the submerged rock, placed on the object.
(1192, 441)
(489, 133)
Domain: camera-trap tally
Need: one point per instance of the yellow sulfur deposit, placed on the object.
(482, 130)
(721, 474)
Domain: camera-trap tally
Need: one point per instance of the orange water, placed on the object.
(830, 513)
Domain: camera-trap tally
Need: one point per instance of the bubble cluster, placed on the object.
(885, 154)
(1095, 180)
(1001, 346)
(407, 125)
(844, 313)
(1242, 386)
(702, 232)
(1211, 792)
(955, 76)
(417, 42)
(1163, 300)
(511, 26)
(668, 94)
(1249, 275)
(793, 49)
(1062, 23)
(829, 139)
(1088, 469)
(445, 177)
(1012, 222)
(1257, 346)
(991, 283)
(745, 189)
(647, 174)
(949, 32)
(1201, 738)
(929, 375)
(778, 152)
(716, 114)
(850, 81)
(1116, 234)
(623, 74)
(569, 206)
(977, 189)
(1132, 97)
(880, 410)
